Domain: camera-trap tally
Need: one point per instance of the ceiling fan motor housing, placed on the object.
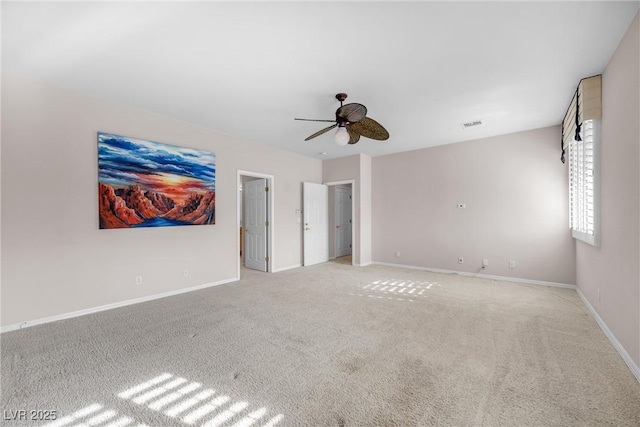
(341, 97)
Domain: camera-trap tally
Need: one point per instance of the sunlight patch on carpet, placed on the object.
(177, 398)
(397, 290)
(159, 394)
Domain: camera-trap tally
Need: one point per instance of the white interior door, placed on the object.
(316, 223)
(255, 224)
(343, 221)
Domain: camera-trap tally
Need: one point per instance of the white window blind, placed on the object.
(583, 183)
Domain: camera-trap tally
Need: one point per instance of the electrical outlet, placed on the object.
(512, 264)
(138, 280)
(185, 273)
(398, 254)
(460, 260)
(485, 262)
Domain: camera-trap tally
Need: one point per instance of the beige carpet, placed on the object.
(346, 260)
(328, 345)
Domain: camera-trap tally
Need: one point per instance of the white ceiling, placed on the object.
(247, 69)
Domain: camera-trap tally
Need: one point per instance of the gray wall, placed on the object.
(55, 260)
(515, 190)
(614, 267)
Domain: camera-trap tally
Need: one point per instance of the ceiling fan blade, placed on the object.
(351, 113)
(315, 120)
(320, 132)
(371, 129)
(354, 136)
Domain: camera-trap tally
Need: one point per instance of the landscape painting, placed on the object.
(149, 184)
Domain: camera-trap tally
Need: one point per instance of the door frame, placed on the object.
(354, 244)
(335, 207)
(270, 205)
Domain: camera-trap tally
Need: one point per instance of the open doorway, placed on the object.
(254, 221)
(341, 222)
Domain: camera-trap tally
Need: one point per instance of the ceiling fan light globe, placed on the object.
(342, 136)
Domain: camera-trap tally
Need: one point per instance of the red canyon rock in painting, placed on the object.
(199, 208)
(160, 201)
(136, 200)
(114, 213)
(129, 206)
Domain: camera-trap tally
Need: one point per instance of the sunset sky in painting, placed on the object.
(168, 169)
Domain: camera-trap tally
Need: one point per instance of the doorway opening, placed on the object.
(342, 240)
(254, 221)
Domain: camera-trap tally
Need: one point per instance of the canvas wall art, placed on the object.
(149, 184)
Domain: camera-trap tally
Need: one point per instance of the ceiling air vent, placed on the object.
(471, 124)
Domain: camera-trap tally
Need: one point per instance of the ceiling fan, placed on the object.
(352, 122)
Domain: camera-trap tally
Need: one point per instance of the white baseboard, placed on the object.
(290, 267)
(86, 311)
(481, 275)
(612, 338)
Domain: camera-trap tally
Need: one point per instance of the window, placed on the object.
(581, 136)
(584, 171)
